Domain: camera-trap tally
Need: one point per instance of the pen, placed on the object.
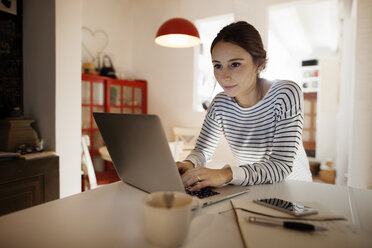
(286, 224)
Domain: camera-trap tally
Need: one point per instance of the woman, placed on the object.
(261, 120)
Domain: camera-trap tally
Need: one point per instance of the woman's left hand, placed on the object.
(200, 177)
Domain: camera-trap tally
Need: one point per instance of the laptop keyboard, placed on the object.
(203, 193)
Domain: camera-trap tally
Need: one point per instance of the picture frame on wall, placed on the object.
(9, 6)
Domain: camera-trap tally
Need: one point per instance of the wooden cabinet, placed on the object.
(26, 183)
(310, 82)
(104, 94)
(309, 128)
(310, 75)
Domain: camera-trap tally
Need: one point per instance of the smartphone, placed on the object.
(286, 206)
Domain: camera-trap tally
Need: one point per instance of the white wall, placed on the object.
(354, 139)
(169, 71)
(51, 61)
(327, 108)
(360, 161)
(116, 19)
(68, 94)
(344, 122)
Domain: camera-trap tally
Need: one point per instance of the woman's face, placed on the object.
(234, 70)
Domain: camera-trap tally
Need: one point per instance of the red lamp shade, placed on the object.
(177, 32)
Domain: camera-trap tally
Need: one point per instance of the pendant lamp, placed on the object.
(177, 33)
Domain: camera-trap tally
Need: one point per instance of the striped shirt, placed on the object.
(265, 139)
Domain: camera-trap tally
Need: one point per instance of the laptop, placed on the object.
(141, 155)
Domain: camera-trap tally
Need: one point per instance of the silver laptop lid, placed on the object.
(139, 150)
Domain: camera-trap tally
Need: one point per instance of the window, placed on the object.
(205, 85)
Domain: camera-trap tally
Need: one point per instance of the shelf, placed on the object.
(311, 67)
(104, 94)
(92, 105)
(309, 90)
(310, 79)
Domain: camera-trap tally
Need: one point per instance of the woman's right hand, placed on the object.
(184, 166)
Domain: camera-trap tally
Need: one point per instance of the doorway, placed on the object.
(303, 46)
(303, 41)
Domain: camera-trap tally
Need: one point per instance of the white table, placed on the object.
(112, 216)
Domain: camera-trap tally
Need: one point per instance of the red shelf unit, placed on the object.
(104, 94)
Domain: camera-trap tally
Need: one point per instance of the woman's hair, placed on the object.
(246, 36)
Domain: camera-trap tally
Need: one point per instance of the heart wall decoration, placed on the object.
(94, 43)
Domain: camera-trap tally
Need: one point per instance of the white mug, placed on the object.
(168, 226)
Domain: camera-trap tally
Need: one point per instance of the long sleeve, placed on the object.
(266, 139)
(277, 163)
(208, 139)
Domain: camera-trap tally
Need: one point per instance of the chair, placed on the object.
(176, 149)
(104, 153)
(188, 137)
(93, 179)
